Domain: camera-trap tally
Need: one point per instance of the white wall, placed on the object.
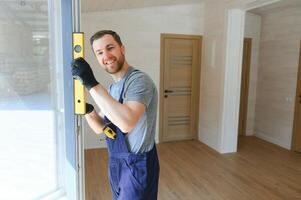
(212, 107)
(212, 73)
(252, 30)
(140, 31)
(277, 75)
(213, 78)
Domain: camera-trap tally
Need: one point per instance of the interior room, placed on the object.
(228, 77)
(267, 131)
(274, 30)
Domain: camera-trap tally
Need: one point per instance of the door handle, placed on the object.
(168, 91)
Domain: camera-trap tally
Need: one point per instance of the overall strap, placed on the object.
(118, 145)
(122, 90)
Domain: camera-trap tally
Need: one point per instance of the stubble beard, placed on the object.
(120, 63)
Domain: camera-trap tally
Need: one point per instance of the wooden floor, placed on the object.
(192, 171)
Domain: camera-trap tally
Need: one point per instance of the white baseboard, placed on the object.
(265, 137)
(209, 140)
(249, 132)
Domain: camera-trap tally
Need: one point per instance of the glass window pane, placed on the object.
(29, 164)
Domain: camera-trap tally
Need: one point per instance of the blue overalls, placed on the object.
(132, 176)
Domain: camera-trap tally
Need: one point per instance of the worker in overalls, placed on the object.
(129, 108)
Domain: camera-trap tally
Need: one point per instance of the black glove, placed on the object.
(89, 108)
(81, 70)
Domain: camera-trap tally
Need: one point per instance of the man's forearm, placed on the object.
(95, 122)
(122, 115)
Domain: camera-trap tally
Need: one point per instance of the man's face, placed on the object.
(109, 54)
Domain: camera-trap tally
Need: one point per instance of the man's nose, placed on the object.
(107, 54)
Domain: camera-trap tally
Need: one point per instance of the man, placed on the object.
(129, 108)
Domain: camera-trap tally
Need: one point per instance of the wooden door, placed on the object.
(244, 90)
(179, 89)
(296, 143)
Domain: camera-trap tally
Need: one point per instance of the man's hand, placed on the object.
(89, 108)
(81, 70)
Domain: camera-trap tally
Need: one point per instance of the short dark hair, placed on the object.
(100, 34)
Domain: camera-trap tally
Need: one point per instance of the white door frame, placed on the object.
(233, 67)
(74, 162)
(79, 146)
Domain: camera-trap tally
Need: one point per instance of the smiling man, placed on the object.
(129, 107)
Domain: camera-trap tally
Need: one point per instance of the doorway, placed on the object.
(179, 91)
(244, 94)
(296, 142)
(284, 118)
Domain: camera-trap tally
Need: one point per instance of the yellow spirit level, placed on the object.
(79, 90)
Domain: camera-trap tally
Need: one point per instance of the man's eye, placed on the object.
(110, 48)
(99, 53)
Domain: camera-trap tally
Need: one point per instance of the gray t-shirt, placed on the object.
(139, 87)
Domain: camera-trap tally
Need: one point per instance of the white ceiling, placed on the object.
(274, 7)
(34, 13)
(102, 5)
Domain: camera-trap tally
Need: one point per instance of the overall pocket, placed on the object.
(138, 168)
(114, 175)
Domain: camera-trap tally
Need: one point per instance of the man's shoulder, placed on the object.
(138, 76)
(134, 72)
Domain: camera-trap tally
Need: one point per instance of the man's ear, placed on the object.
(122, 49)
